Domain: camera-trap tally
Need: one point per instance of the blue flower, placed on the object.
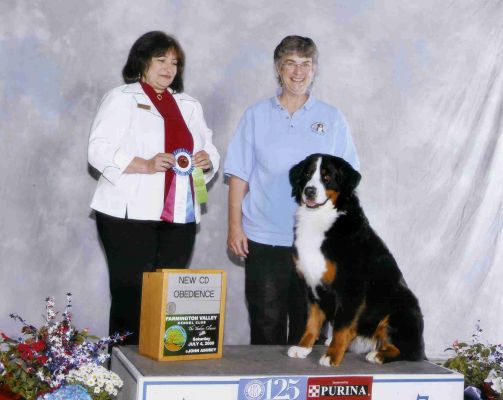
(68, 392)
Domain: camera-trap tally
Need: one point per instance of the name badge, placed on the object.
(144, 106)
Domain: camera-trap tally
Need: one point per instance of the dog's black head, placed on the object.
(320, 178)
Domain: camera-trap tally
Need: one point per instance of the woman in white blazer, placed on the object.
(147, 139)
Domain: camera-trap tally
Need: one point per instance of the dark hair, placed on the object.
(153, 44)
(302, 46)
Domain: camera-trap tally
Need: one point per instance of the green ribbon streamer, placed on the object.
(199, 185)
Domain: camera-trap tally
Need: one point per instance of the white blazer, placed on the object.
(128, 125)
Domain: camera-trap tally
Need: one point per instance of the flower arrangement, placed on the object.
(482, 366)
(57, 361)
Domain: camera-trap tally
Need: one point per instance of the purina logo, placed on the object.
(338, 390)
(340, 387)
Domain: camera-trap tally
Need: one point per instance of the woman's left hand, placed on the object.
(202, 159)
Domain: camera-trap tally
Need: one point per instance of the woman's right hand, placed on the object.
(236, 238)
(237, 241)
(161, 162)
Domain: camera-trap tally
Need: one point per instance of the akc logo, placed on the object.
(273, 388)
(254, 390)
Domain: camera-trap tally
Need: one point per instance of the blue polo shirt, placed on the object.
(266, 144)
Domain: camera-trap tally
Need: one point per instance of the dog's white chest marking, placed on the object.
(311, 225)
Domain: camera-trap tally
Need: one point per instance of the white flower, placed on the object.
(497, 385)
(496, 381)
(97, 378)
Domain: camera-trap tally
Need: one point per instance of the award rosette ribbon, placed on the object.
(184, 166)
(183, 162)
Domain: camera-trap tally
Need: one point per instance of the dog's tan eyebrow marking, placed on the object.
(332, 195)
(330, 273)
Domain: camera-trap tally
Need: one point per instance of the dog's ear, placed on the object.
(295, 178)
(352, 178)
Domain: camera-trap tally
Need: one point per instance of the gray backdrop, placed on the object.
(420, 84)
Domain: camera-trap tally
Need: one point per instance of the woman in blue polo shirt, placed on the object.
(272, 136)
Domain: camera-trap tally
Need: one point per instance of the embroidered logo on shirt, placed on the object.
(319, 128)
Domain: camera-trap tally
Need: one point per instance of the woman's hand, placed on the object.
(202, 159)
(237, 241)
(236, 238)
(160, 163)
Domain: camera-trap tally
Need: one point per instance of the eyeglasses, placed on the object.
(291, 65)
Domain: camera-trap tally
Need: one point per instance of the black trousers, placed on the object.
(276, 295)
(133, 247)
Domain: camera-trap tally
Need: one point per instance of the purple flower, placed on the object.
(472, 393)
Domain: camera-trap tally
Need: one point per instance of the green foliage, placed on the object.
(476, 361)
(17, 376)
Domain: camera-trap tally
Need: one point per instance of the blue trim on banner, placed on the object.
(419, 380)
(158, 383)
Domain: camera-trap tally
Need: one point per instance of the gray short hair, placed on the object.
(299, 45)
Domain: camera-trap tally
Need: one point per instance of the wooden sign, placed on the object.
(182, 314)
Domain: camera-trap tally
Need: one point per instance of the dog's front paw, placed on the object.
(299, 352)
(325, 361)
(328, 360)
(374, 357)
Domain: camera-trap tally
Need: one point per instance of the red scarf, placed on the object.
(176, 136)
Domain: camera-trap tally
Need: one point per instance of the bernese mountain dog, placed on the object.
(352, 278)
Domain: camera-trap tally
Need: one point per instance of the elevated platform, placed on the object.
(267, 373)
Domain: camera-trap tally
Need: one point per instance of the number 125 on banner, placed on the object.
(273, 388)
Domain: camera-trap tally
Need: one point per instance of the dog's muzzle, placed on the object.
(310, 192)
(310, 197)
